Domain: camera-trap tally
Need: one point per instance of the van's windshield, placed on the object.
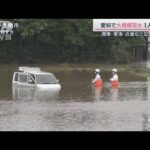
(46, 79)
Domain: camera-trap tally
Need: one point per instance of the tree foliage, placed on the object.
(64, 41)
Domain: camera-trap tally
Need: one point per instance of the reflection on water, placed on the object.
(31, 93)
(78, 106)
(146, 122)
(114, 94)
(97, 92)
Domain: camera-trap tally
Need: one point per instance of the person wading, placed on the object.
(114, 79)
(97, 81)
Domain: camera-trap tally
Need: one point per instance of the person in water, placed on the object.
(114, 79)
(97, 80)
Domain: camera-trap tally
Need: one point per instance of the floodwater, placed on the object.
(78, 106)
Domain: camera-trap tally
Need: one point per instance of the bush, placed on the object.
(120, 52)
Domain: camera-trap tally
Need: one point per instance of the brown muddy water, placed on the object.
(78, 106)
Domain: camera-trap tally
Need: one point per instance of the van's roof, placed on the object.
(32, 70)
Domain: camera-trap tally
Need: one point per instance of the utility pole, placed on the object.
(148, 44)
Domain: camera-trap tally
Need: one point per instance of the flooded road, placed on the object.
(78, 106)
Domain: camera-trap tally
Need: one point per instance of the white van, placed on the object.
(34, 77)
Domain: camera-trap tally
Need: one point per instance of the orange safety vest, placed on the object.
(115, 83)
(99, 83)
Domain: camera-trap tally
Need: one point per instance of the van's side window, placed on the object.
(31, 79)
(16, 76)
(23, 78)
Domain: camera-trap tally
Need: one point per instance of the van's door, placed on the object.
(24, 79)
(15, 77)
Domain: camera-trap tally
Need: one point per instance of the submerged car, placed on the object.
(34, 77)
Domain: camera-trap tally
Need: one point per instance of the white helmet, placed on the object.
(97, 70)
(114, 70)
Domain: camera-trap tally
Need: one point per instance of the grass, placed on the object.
(86, 67)
(130, 68)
